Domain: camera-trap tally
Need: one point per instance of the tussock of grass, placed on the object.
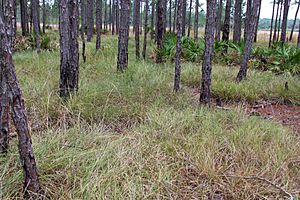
(257, 86)
(127, 136)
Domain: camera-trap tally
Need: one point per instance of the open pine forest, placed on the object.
(149, 99)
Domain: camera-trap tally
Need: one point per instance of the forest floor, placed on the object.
(129, 136)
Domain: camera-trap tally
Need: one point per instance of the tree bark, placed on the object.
(160, 27)
(82, 29)
(226, 27)
(205, 89)
(31, 180)
(257, 23)
(295, 20)
(298, 43)
(178, 47)
(90, 19)
(137, 28)
(10, 21)
(247, 18)
(170, 15)
(69, 65)
(190, 18)
(285, 20)
(105, 15)
(152, 18)
(219, 21)
(249, 40)
(117, 17)
(184, 17)
(110, 15)
(123, 36)
(279, 24)
(196, 25)
(98, 23)
(174, 16)
(36, 22)
(272, 22)
(146, 28)
(113, 20)
(44, 17)
(237, 33)
(24, 17)
(276, 22)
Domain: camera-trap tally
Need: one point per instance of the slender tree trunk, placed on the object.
(4, 114)
(184, 17)
(298, 43)
(226, 28)
(110, 15)
(237, 21)
(31, 180)
(90, 19)
(137, 28)
(205, 90)
(44, 17)
(160, 27)
(123, 35)
(117, 17)
(105, 15)
(10, 21)
(24, 18)
(276, 22)
(178, 47)
(272, 21)
(146, 28)
(165, 15)
(98, 23)
(294, 24)
(219, 21)
(113, 20)
(247, 18)
(82, 29)
(190, 18)
(279, 24)
(141, 17)
(174, 16)
(249, 40)
(285, 20)
(170, 15)
(196, 25)
(257, 23)
(152, 18)
(69, 65)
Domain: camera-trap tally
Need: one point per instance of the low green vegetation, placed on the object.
(128, 136)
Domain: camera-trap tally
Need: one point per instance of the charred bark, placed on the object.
(82, 29)
(98, 23)
(178, 47)
(257, 23)
(205, 90)
(184, 18)
(190, 18)
(31, 180)
(123, 36)
(249, 40)
(226, 27)
(237, 33)
(24, 17)
(146, 28)
(285, 20)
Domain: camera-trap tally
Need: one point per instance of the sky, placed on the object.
(267, 7)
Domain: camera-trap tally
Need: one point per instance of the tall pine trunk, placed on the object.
(190, 18)
(44, 17)
(174, 16)
(294, 24)
(272, 22)
(123, 35)
(24, 17)
(117, 17)
(178, 46)
(31, 180)
(160, 27)
(249, 40)
(226, 27)
(184, 17)
(237, 33)
(196, 25)
(82, 29)
(219, 21)
(276, 22)
(298, 43)
(170, 15)
(279, 22)
(105, 14)
(90, 19)
(285, 20)
(36, 24)
(98, 23)
(205, 89)
(137, 28)
(69, 55)
(257, 23)
(146, 28)
(247, 18)
(152, 18)
(10, 21)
